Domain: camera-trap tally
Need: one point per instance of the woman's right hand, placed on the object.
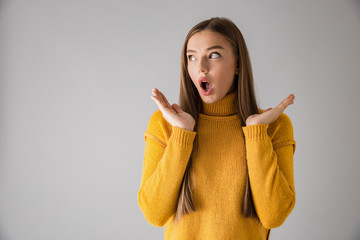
(173, 113)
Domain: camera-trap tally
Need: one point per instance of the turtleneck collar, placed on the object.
(223, 107)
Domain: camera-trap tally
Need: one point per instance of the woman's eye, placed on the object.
(216, 53)
(191, 57)
(212, 55)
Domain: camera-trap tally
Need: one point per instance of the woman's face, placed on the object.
(210, 58)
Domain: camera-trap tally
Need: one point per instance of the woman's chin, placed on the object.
(210, 99)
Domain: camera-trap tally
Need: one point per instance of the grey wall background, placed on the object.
(76, 80)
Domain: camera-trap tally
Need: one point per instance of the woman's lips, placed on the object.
(204, 79)
(209, 89)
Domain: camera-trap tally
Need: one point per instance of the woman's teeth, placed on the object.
(205, 85)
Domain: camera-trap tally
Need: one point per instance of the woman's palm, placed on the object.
(270, 114)
(173, 113)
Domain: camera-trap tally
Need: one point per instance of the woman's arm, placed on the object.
(163, 170)
(270, 166)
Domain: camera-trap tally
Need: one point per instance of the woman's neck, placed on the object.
(224, 107)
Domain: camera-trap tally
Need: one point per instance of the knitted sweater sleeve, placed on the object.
(269, 153)
(165, 160)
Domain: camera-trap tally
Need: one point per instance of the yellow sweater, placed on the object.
(219, 169)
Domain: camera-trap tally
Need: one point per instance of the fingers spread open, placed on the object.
(164, 99)
(158, 102)
(162, 102)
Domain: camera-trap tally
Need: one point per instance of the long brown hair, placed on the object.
(190, 102)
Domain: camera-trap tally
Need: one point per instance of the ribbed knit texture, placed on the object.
(219, 167)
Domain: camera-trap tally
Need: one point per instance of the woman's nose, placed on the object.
(203, 66)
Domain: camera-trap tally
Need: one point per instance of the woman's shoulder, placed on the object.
(281, 130)
(158, 126)
(157, 118)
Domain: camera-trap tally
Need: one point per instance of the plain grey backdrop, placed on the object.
(76, 80)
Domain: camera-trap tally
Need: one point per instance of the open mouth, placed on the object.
(205, 85)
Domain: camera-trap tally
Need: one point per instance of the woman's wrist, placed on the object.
(189, 129)
(186, 128)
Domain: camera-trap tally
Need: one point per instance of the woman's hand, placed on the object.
(270, 114)
(173, 113)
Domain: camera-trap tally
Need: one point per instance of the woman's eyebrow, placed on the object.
(208, 49)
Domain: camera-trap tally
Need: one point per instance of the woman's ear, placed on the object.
(237, 68)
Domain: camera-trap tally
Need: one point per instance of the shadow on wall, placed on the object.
(357, 236)
(2, 236)
(356, 4)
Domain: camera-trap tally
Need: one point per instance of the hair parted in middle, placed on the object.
(190, 102)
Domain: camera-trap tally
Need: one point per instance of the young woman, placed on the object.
(216, 166)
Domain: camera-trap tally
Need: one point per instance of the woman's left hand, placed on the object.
(270, 114)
